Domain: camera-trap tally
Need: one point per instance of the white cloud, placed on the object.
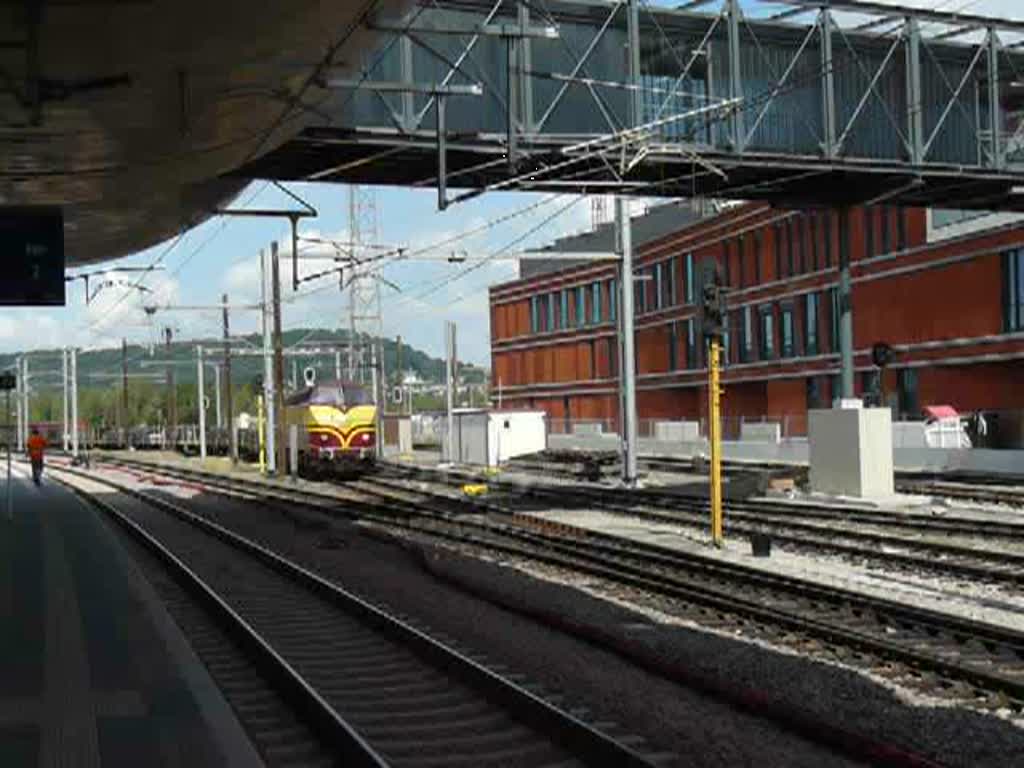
(316, 254)
(115, 309)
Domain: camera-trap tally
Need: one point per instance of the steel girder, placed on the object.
(725, 105)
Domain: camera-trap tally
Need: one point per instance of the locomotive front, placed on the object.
(337, 424)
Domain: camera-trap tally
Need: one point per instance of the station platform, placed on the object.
(93, 670)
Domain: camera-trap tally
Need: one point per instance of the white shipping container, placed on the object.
(487, 438)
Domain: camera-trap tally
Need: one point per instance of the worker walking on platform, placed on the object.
(36, 446)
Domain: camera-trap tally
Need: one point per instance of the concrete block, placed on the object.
(760, 432)
(851, 452)
(909, 434)
(676, 431)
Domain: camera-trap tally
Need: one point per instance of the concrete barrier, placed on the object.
(588, 428)
(760, 432)
(909, 434)
(676, 431)
(1003, 462)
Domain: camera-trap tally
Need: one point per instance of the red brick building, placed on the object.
(948, 299)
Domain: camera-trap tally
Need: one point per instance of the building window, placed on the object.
(658, 270)
(901, 230)
(639, 294)
(834, 309)
(747, 334)
(595, 303)
(1013, 290)
(673, 346)
(726, 267)
(688, 287)
(581, 306)
(869, 386)
(563, 309)
(767, 326)
(613, 357)
(828, 238)
(813, 393)
(885, 214)
(551, 311)
(726, 340)
(613, 300)
(691, 343)
(908, 396)
(811, 323)
(535, 314)
(788, 345)
(670, 283)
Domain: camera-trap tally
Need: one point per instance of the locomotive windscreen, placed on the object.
(336, 393)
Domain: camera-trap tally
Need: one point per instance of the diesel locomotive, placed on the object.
(337, 426)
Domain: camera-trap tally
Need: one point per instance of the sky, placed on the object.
(222, 256)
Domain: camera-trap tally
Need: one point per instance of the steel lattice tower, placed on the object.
(364, 303)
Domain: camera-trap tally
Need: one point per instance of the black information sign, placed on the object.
(8, 381)
(31, 257)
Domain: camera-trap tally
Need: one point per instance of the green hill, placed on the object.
(99, 374)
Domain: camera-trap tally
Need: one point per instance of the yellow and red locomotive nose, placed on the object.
(339, 420)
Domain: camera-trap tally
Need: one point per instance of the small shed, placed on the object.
(488, 438)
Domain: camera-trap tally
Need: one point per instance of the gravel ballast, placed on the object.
(698, 729)
(701, 730)
(979, 602)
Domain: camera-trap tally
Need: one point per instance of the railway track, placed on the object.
(949, 524)
(947, 656)
(989, 489)
(801, 528)
(366, 687)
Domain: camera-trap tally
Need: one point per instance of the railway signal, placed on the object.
(713, 315)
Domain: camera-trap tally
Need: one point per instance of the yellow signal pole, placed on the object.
(259, 430)
(715, 439)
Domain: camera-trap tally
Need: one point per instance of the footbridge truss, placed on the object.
(829, 101)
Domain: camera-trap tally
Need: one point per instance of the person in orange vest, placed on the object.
(36, 446)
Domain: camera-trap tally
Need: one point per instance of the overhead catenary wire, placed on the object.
(397, 257)
(90, 328)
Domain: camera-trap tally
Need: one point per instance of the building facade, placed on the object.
(946, 292)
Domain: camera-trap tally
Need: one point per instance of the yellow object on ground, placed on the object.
(474, 490)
